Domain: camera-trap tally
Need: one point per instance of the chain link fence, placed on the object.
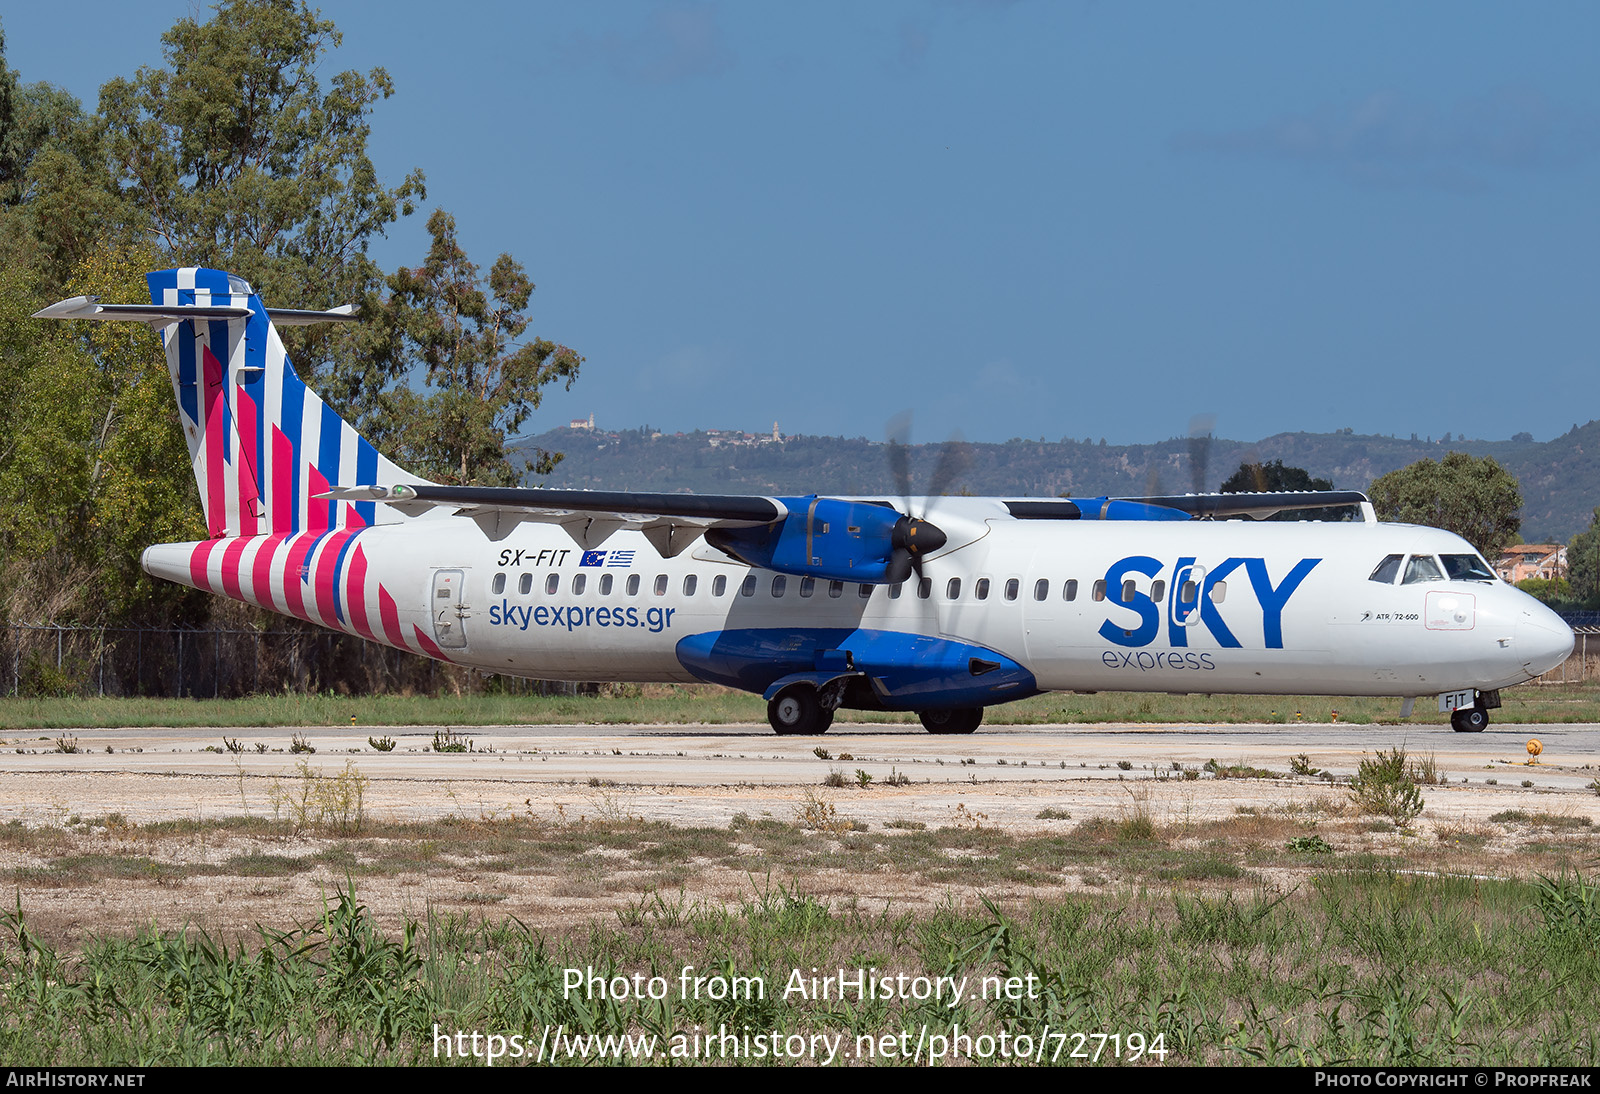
(57, 660)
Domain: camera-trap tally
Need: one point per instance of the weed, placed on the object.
(66, 744)
(835, 779)
(819, 815)
(821, 753)
(336, 803)
(897, 778)
(1052, 813)
(902, 824)
(298, 745)
(1301, 765)
(1570, 907)
(1426, 772)
(381, 744)
(1383, 787)
(448, 740)
(1527, 783)
(1125, 765)
(232, 745)
(1309, 845)
(863, 778)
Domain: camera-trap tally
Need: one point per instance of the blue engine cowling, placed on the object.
(822, 537)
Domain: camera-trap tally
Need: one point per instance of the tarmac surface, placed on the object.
(705, 774)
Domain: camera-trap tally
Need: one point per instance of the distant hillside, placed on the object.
(1560, 478)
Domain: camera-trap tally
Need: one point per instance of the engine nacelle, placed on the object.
(827, 538)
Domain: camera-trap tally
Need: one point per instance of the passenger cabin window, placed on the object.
(1188, 592)
(1420, 569)
(719, 584)
(924, 588)
(1098, 592)
(980, 591)
(952, 589)
(525, 584)
(747, 587)
(894, 590)
(605, 584)
(1387, 570)
(1219, 592)
(1041, 588)
(633, 585)
(578, 582)
(1467, 568)
(1128, 589)
(689, 583)
(808, 585)
(552, 583)
(779, 584)
(865, 592)
(1011, 588)
(835, 589)
(498, 586)
(661, 584)
(1069, 591)
(1158, 590)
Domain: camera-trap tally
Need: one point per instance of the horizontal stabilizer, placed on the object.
(89, 307)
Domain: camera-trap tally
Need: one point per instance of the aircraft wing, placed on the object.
(669, 521)
(1258, 505)
(867, 540)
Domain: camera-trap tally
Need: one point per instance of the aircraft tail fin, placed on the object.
(263, 445)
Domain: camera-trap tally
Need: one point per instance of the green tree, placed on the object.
(1583, 561)
(1272, 476)
(1475, 498)
(462, 336)
(236, 157)
(96, 468)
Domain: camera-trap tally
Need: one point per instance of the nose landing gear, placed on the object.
(1471, 719)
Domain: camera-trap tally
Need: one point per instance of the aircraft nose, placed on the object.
(1543, 639)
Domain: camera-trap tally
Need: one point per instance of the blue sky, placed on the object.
(1011, 219)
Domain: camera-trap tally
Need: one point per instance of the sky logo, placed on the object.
(1271, 597)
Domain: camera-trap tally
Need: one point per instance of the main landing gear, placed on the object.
(797, 711)
(1471, 719)
(801, 711)
(957, 720)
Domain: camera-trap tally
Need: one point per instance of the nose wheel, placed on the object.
(1469, 719)
(798, 712)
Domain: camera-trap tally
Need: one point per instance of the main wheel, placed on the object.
(1469, 719)
(951, 720)
(795, 712)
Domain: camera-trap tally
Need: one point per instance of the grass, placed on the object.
(1361, 964)
(698, 704)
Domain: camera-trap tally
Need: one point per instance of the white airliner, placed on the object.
(939, 605)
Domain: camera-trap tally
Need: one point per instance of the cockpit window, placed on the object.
(1466, 568)
(1422, 568)
(1387, 570)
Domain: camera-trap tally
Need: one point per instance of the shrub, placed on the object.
(1384, 787)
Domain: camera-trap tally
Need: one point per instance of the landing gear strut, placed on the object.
(797, 711)
(1471, 719)
(957, 720)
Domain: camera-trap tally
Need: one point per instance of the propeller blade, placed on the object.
(1200, 427)
(954, 459)
(899, 433)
